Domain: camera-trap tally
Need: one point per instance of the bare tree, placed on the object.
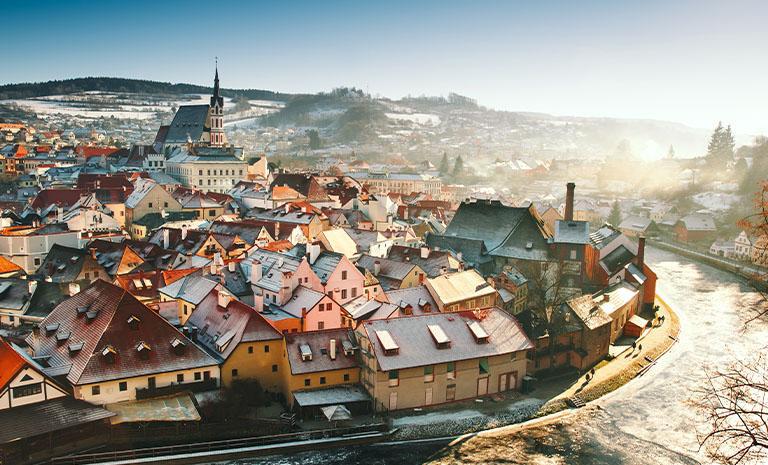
(734, 399)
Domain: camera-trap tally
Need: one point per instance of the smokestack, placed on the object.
(183, 232)
(424, 252)
(74, 288)
(376, 267)
(166, 238)
(231, 267)
(314, 252)
(640, 257)
(332, 349)
(255, 271)
(570, 188)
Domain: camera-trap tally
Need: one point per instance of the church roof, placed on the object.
(187, 124)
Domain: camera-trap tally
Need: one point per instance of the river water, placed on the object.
(645, 422)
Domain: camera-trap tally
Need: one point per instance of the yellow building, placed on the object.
(248, 345)
(318, 360)
(188, 292)
(437, 358)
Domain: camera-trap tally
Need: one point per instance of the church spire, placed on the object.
(216, 97)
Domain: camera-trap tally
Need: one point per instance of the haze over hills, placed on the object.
(348, 115)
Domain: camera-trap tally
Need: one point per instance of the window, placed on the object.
(354, 292)
(346, 376)
(211, 212)
(95, 390)
(429, 374)
(197, 376)
(321, 307)
(514, 354)
(344, 275)
(123, 386)
(483, 365)
(307, 382)
(199, 172)
(250, 349)
(274, 368)
(343, 293)
(149, 204)
(450, 370)
(28, 390)
(206, 375)
(234, 372)
(394, 378)
(151, 382)
(266, 349)
(37, 262)
(573, 255)
(322, 380)
(320, 325)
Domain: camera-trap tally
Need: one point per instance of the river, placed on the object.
(645, 422)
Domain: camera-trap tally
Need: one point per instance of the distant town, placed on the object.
(217, 281)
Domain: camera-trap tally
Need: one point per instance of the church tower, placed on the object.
(216, 114)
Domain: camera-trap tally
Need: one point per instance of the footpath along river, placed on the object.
(645, 422)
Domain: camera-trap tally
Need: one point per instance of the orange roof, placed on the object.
(278, 246)
(170, 276)
(10, 363)
(89, 151)
(7, 266)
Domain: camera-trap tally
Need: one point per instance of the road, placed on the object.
(645, 422)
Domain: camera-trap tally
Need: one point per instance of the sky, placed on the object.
(694, 62)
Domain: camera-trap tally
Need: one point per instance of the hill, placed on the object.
(122, 85)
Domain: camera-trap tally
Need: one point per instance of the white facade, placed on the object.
(29, 251)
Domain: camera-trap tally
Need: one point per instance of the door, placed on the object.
(503, 382)
(482, 386)
(428, 396)
(393, 400)
(151, 382)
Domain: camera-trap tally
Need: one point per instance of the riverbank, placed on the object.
(483, 446)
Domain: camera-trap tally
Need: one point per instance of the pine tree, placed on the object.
(614, 218)
(671, 152)
(458, 167)
(444, 165)
(721, 147)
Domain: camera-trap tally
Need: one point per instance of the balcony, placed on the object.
(198, 386)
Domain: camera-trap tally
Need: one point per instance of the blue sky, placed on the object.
(695, 62)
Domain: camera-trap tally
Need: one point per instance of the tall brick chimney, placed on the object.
(570, 188)
(640, 257)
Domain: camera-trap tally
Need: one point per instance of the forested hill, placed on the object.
(139, 86)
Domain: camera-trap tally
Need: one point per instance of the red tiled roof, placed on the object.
(62, 197)
(170, 276)
(105, 321)
(89, 151)
(7, 266)
(10, 363)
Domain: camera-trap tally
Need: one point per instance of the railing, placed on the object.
(174, 388)
(213, 446)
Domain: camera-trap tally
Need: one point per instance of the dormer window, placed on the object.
(75, 347)
(62, 336)
(109, 353)
(178, 346)
(133, 322)
(143, 350)
(51, 328)
(306, 352)
(481, 337)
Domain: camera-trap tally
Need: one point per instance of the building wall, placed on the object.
(157, 200)
(48, 390)
(329, 318)
(413, 389)
(110, 390)
(29, 251)
(345, 289)
(260, 360)
(318, 380)
(208, 176)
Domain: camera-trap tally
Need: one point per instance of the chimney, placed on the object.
(223, 299)
(60, 214)
(570, 188)
(332, 349)
(166, 238)
(255, 271)
(231, 266)
(376, 267)
(183, 232)
(31, 286)
(74, 288)
(287, 208)
(93, 252)
(424, 252)
(314, 252)
(640, 257)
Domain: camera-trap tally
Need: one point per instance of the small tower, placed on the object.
(216, 114)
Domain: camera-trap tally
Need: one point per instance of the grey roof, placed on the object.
(432, 265)
(512, 232)
(188, 124)
(588, 312)
(417, 347)
(604, 236)
(698, 222)
(141, 189)
(63, 264)
(14, 293)
(203, 154)
(636, 223)
(617, 259)
(191, 288)
(362, 309)
(571, 232)
(272, 265)
(325, 264)
(392, 269)
(302, 298)
(319, 342)
(45, 417)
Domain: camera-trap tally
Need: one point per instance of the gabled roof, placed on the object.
(588, 312)
(7, 266)
(416, 346)
(698, 222)
(63, 264)
(571, 232)
(617, 259)
(392, 269)
(221, 329)
(636, 223)
(188, 124)
(302, 298)
(457, 287)
(11, 362)
(191, 288)
(142, 187)
(433, 265)
(101, 317)
(318, 343)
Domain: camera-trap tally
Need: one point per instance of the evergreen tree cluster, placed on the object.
(721, 147)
